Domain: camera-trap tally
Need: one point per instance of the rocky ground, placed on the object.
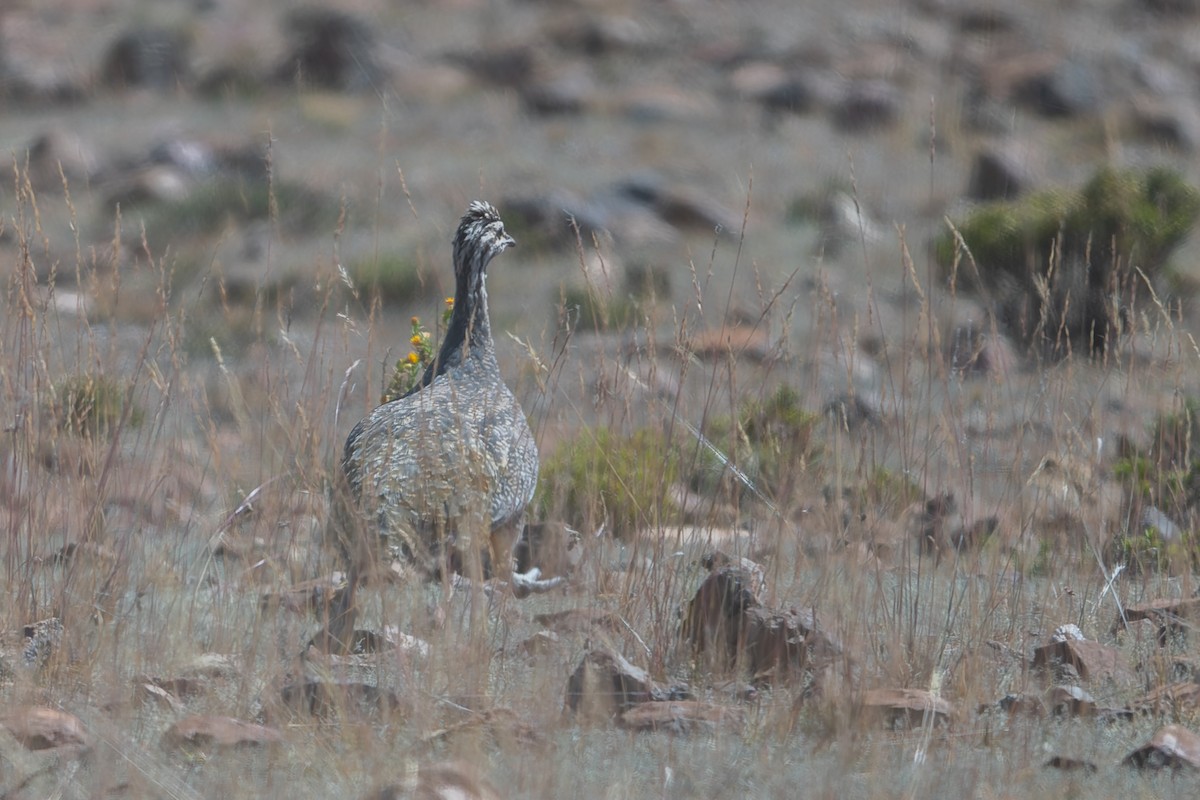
(239, 205)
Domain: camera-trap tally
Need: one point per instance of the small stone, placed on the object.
(153, 58)
(999, 173)
(682, 717)
(867, 105)
(206, 732)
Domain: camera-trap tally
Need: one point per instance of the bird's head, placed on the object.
(480, 238)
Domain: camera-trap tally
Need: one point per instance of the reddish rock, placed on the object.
(451, 780)
(322, 698)
(1171, 746)
(41, 728)
(682, 716)
(605, 684)
(907, 707)
(204, 732)
(1173, 700)
(580, 620)
(1090, 660)
(1170, 615)
(716, 621)
(1068, 764)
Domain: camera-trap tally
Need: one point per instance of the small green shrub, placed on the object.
(605, 478)
(770, 441)
(1056, 261)
(210, 206)
(91, 405)
(594, 313)
(393, 277)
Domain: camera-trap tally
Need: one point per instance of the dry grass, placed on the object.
(204, 488)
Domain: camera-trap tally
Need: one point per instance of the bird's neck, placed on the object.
(468, 336)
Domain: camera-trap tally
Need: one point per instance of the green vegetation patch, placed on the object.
(770, 441)
(1057, 260)
(92, 405)
(610, 479)
(209, 207)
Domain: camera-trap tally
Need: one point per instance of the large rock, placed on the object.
(1171, 746)
(209, 732)
(42, 728)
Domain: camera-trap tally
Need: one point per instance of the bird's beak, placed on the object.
(509, 241)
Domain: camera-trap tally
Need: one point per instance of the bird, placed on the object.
(446, 471)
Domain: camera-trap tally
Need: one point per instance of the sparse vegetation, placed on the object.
(174, 404)
(605, 480)
(1061, 264)
(93, 405)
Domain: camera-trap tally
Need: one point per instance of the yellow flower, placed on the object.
(413, 358)
(416, 340)
(450, 302)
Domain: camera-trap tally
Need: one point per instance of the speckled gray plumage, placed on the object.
(454, 458)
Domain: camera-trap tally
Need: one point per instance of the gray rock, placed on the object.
(1069, 88)
(332, 50)
(867, 105)
(999, 173)
(1171, 122)
(153, 58)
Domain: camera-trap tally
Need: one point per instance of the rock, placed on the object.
(1070, 701)
(661, 102)
(153, 184)
(1173, 122)
(1069, 88)
(775, 645)
(152, 58)
(153, 693)
(1022, 704)
(332, 50)
(866, 106)
(203, 732)
(999, 173)
(54, 155)
(510, 67)
(569, 93)
(580, 620)
(541, 643)
(793, 93)
(1170, 615)
(1067, 764)
(715, 622)
(1090, 660)
(907, 708)
(600, 34)
(450, 780)
(683, 716)
(1171, 746)
(718, 559)
(41, 728)
(1154, 519)
(1178, 700)
(329, 698)
(682, 207)
(605, 685)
